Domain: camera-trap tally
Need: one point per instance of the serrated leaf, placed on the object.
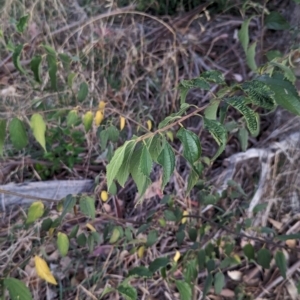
(16, 58)
(250, 57)
(264, 258)
(198, 82)
(158, 263)
(219, 282)
(2, 135)
(249, 251)
(276, 21)
(140, 271)
(213, 76)
(17, 289)
(87, 206)
(238, 102)
(174, 116)
(167, 160)
(52, 70)
(288, 72)
(191, 145)
(243, 138)
(43, 270)
(184, 289)
(286, 94)
(219, 133)
(116, 162)
(109, 134)
(38, 127)
(128, 291)
(22, 24)
(35, 66)
(259, 94)
(36, 210)
(83, 92)
(154, 146)
(243, 34)
(62, 243)
(145, 164)
(151, 238)
(124, 170)
(140, 179)
(281, 263)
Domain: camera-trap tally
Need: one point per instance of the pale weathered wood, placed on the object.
(26, 193)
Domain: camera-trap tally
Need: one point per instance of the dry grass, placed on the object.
(134, 62)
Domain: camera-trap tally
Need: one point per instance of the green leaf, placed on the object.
(22, 24)
(180, 235)
(109, 134)
(17, 289)
(2, 135)
(243, 138)
(151, 238)
(124, 170)
(38, 127)
(87, 121)
(16, 58)
(167, 160)
(174, 116)
(87, 206)
(198, 82)
(250, 57)
(191, 145)
(243, 34)
(145, 164)
(68, 205)
(260, 207)
(219, 133)
(276, 21)
(158, 263)
(35, 66)
(62, 243)
(74, 231)
(115, 235)
(286, 94)
(264, 258)
(127, 291)
(238, 102)
(184, 289)
(83, 92)
(81, 240)
(249, 251)
(219, 282)
(169, 216)
(259, 94)
(52, 70)
(288, 72)
(201, 258)
(193, 233)
(140, 271)
(210, 111)
(50, 50)
(71, 77)
(72, 118)
(213, 76)
(139, 178)
(281, 263)
(116, 162)
(286, 237)
(154, 146)
(46, 224)
(183, 93)
(193, 179)
(36, 210)
(66, 60)
(273, 54)
(207, 285)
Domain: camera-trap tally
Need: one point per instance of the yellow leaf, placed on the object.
(176, 256)
(183, 220)
(43, 270)
(90, 227)
(141, 252)
(102, 105)
(36, 210)
(170, 135)
(104, 196)
(149, 125)
(122, 122)
(114, 236)
(51, 231)
(99, 117)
